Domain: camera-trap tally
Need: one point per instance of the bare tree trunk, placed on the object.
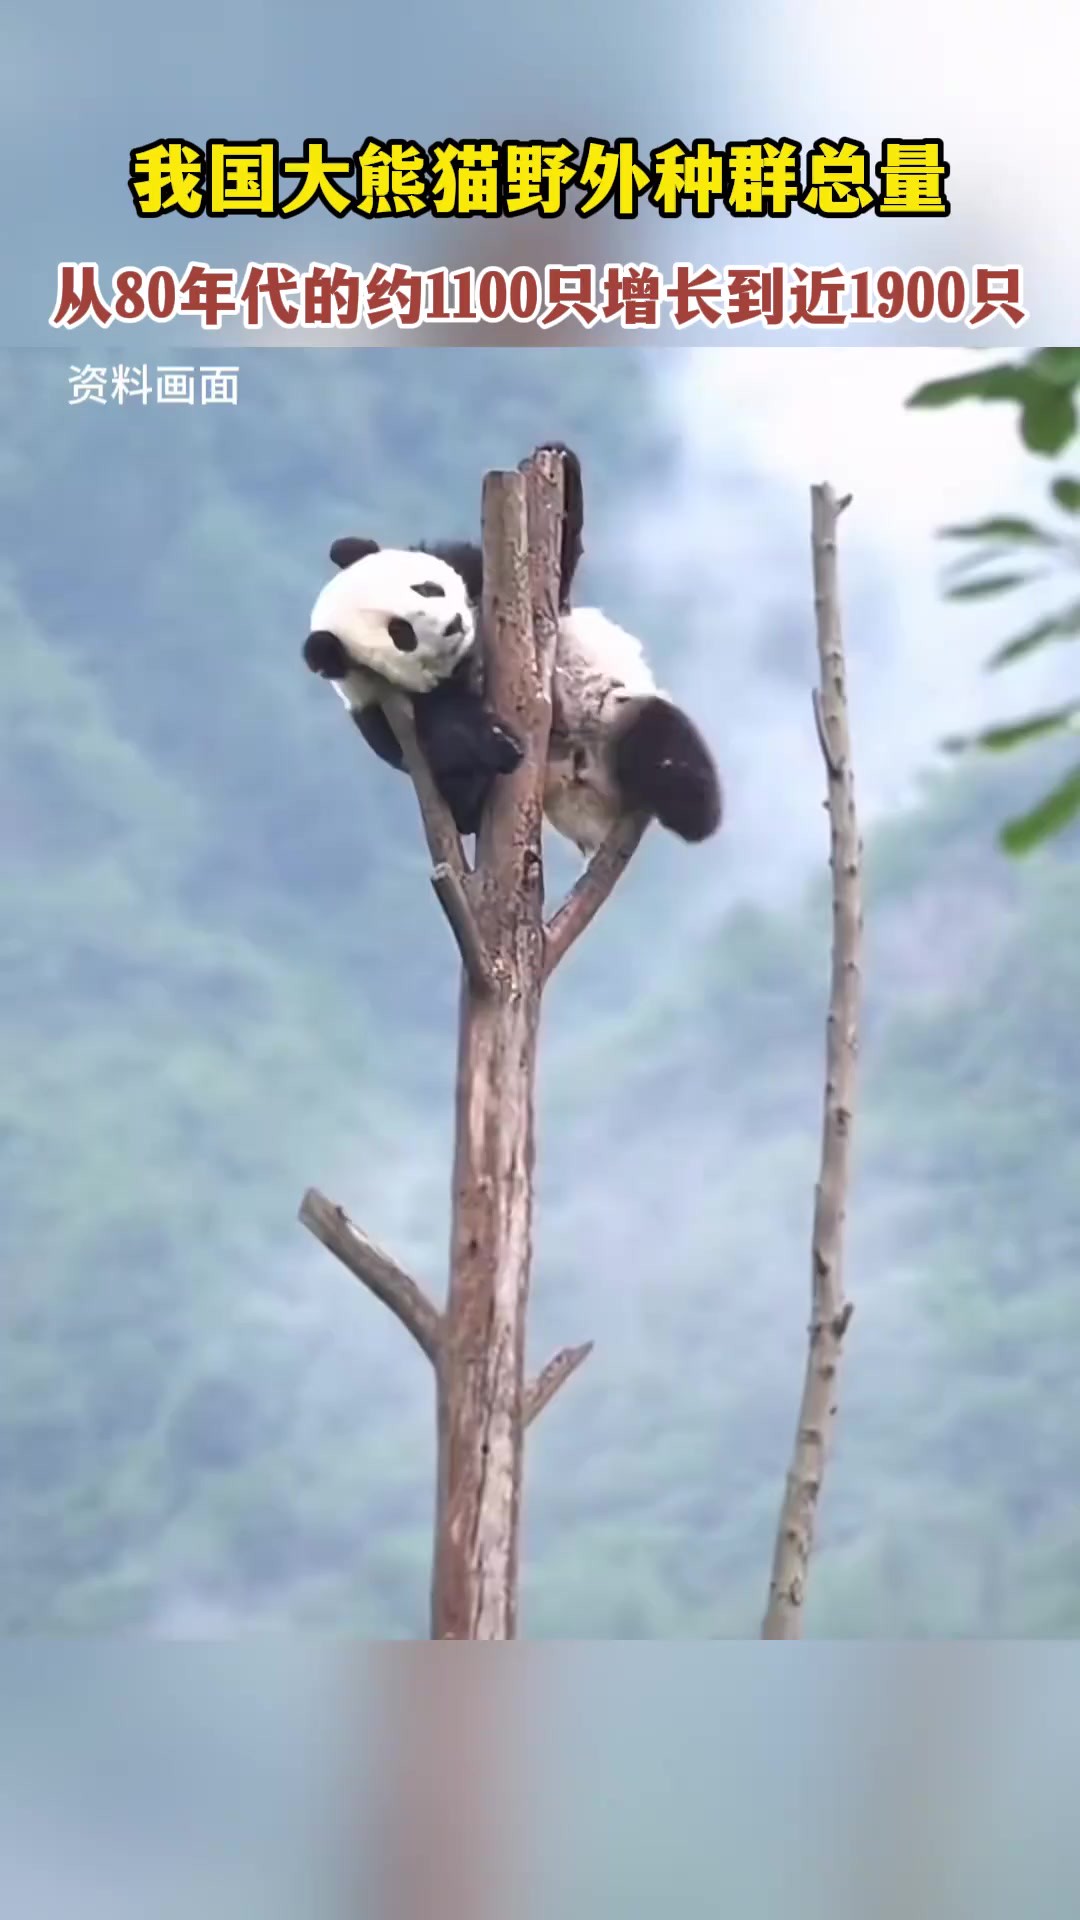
(829, 1313)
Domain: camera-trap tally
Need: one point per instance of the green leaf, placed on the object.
(1059, 366)
(982, 589)
(1048, 420)
(1060, 626)
(965, 563)
(1067, 494)
(1004, 382)
(1016, 733)
(1003, 527)
(1059, 807)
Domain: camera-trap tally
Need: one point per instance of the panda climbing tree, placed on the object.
(408, 618)
(468, 666)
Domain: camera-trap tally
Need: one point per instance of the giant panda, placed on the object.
(404, 617)
(618, 744)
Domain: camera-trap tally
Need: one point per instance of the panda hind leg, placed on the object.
(664, 768)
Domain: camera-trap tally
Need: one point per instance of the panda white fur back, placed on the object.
(599, 667)
(618, 744)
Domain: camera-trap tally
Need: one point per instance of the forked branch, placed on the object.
(409, 1303)
(588, 894)
(375, 1269)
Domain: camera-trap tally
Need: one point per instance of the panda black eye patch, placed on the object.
(401, 634)
(430, 590)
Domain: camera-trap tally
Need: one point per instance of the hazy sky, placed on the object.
(916, 661)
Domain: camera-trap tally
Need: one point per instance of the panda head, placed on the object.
(394, 612)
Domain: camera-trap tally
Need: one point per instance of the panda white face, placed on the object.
(404, 616)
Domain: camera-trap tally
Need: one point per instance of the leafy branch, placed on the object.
(1044, 387)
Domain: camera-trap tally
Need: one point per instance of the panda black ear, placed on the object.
(350, 548)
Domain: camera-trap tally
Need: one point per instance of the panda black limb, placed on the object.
(663, 767)
(463, 744)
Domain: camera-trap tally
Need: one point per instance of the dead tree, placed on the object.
(496, 913)
(829, 1312)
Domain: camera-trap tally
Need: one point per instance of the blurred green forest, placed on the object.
(222, 979)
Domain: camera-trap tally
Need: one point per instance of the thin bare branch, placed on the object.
(553, 1376)
(830, 1313)
(375, 1269)
(592, 889)
(450, 871)
(443, 838)
(449, 888)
